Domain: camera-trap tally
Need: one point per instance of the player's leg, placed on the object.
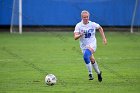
(86, 55)
(96, 68)
(94, 64)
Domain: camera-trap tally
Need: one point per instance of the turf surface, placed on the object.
(26, 59)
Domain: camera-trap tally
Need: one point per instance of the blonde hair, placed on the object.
(85, 11)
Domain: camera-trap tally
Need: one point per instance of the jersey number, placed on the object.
(87, 35)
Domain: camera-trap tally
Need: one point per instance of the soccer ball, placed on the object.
(50, 79)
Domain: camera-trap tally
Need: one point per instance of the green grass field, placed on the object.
(26, 59)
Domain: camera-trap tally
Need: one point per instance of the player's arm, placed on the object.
(102, 34)
(77, 35)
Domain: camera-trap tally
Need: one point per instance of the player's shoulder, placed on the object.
(94, 24)
(79, 24)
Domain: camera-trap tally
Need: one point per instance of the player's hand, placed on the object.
(77, 35)
(105, 41)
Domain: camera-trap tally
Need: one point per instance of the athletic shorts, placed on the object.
(93, 46)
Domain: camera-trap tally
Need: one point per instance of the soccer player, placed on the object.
(85, 31)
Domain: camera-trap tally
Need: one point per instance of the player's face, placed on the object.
(85, 18)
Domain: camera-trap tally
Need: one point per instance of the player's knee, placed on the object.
(92, 60)
(87, 55)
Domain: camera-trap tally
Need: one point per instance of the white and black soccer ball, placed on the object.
(50, 79)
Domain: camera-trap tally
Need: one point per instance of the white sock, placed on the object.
(89, 67)
(95, 66)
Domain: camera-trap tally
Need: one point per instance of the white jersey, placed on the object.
(89, 30)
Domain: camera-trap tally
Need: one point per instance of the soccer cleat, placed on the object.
(100, 77)
(90, 77)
